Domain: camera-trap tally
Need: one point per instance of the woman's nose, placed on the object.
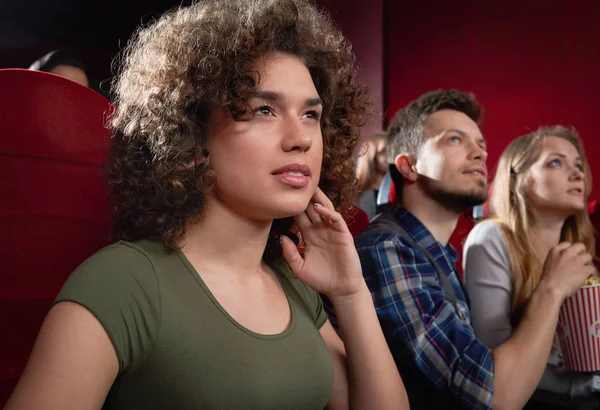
(295, 136)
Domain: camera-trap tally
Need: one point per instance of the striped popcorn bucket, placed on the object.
(579, 330)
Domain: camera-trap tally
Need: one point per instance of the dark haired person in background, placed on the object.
(64, 63)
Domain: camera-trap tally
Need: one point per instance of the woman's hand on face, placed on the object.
(330, 265)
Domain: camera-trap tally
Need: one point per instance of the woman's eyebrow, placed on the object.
(558, 154)
(276, 96)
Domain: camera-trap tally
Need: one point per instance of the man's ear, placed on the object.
(406, 166)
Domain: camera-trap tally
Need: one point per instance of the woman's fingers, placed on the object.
(291, 254)
(303, 221)
(320, 211)
(312, 214)
(333, 218)
(320, 198)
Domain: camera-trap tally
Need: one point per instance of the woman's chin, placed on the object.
(290, 209)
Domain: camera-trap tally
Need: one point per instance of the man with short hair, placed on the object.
(437, 158)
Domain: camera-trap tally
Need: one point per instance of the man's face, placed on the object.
(451, 164)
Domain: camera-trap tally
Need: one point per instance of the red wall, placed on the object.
(530, 63)
(362, 24)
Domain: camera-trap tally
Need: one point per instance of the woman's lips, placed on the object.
(296, 180)
(295, 175)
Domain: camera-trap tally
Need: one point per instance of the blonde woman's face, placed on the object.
(555, 182)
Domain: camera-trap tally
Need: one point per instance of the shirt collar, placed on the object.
(422, 235)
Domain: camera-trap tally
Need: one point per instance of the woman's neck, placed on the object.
(545, 233)
(223, 241)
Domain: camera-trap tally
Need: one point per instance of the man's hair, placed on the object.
(194, 60)
(55, 58)
(405, 134)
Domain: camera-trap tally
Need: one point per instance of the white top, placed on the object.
(488, 282)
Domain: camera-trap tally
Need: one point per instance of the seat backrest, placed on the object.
(357, 220)
(383, 195)
(54, 205)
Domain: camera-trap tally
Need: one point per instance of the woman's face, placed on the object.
(555, 182)
(268, 162)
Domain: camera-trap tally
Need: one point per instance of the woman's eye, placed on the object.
(454, 138)
(315, 115)
(579, 167)
(554, 163)
(264, 110)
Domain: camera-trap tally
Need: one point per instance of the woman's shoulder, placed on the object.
(119, 285)
(122, 265)
(486, 243)
(123, 254)
(486, 232)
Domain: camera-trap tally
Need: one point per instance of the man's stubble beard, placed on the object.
(456, 200)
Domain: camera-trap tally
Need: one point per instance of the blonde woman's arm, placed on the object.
(488, 283)
(521, 360)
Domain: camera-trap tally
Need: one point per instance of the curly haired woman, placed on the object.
(235, 127)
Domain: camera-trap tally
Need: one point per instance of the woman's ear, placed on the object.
(406, 166)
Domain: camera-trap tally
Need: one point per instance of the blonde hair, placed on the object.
(509, 209)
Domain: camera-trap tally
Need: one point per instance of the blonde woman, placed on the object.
(538, 200)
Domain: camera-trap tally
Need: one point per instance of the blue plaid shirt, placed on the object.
(420, 325)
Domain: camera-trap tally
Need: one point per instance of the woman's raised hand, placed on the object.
(330, 265)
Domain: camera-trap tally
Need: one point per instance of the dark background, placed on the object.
(530, 62)
(97, 30)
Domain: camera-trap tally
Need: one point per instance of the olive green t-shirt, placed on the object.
(179, 349)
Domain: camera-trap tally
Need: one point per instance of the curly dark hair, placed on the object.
(405, 132)
(179, 69)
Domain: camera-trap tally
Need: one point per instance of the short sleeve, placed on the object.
(311, 299)
(488, 283)
(119, 286)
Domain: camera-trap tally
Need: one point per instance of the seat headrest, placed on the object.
(48, 116)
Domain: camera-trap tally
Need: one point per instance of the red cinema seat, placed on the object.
(357, 220)
(53, 206)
